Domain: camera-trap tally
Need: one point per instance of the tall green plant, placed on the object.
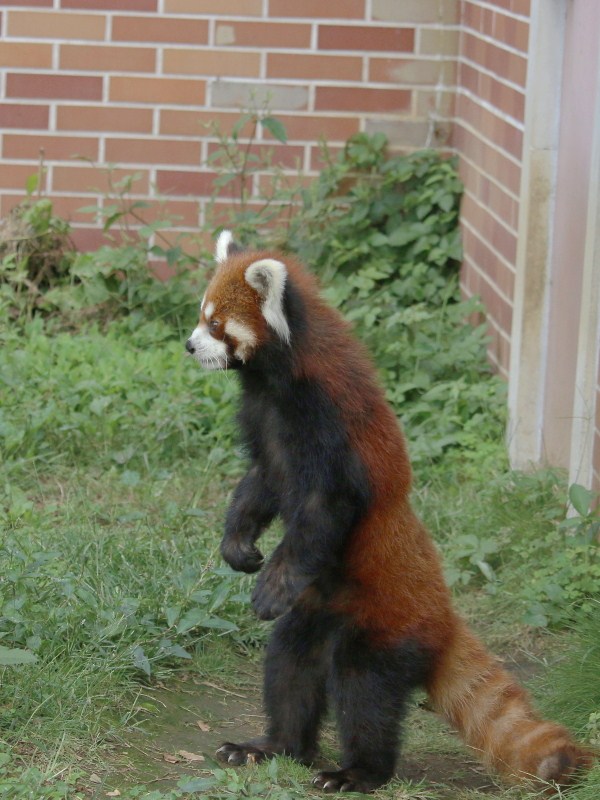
(252, 191)
(382, 232)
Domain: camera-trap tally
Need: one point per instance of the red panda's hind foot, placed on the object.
(257, 750)
(564, 767)
(238, 755)
(352, 779)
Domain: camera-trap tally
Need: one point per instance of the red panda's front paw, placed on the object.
(276, 590)
(241, 556)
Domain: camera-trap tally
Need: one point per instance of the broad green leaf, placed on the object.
(32, 183)
(140, 660)
(10, 657)
(276, 128)
(191, 619)
(192, 785)
(581, 498)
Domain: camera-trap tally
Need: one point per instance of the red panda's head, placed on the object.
(242, 309)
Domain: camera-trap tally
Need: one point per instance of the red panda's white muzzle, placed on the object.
(210, 353)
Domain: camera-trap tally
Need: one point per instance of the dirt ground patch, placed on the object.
(192, 718)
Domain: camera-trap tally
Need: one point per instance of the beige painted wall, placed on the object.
(578, 99)
(552, 392)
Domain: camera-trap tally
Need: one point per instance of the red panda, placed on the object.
(363, 613)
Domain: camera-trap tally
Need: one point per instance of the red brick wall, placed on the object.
(132, 82)
(488, 134)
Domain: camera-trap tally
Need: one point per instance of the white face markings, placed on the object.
(222, 246)
(244, 335)
(268, 277)
(209, 310)
(210, 353)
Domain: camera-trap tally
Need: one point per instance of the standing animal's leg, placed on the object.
(296, 669)
(252, 509)
(370, 687)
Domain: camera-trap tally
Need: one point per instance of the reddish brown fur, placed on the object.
(234, 298)
(395, 585)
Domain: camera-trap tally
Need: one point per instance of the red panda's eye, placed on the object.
(213, 324)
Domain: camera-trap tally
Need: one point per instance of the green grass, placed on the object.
(118, 458)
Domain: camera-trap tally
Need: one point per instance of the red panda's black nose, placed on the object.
(190, 347)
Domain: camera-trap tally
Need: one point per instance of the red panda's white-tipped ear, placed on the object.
(225, 247)
(268, 277)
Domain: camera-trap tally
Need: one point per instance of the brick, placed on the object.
(159, 29)
(167, 91)
(92, 180)
(361, 38)
(56, 25)
(104, 58)
(171, 237)
(498, 308)
(13, 115)
(507, 99)
(412, 11)
(14, 176)
(20, 146)
(314, 67)
(503, 63)
(291, 182)
(499, 201)
(401, 133)
(508, 136)
(9, 200)
(178, 182)
(336, 98)
(512, 32)
(313, 128)
(69, 207)
(480, 20)
(522, 7)
(104, 118)
(438, 41)
(471, 15)
(285, 156)
(184, 213)
(316, 9)
(212, 63)
(318, 162)
(487, 159)
(152, 151)
(231, 94)
(480, 257)
(491, 230)
(86, 240)
(176, 122)
(28, 3)
(412, 71)
(222, 8)
(468, 77)
(439, 104)
(25, 54)
(498, 350)
(262, 34)
(111, 5)
(69, 87)
(499, 278)
(222, 213)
